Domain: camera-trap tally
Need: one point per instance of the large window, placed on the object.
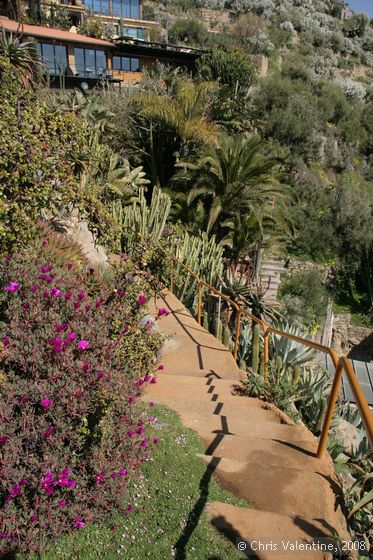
(135, 32)
(126, 64)
(126, 8)
(98, 6)
(90, 63)
(54, 57)
(121, 8)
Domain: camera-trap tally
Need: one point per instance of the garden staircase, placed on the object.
(254, 449)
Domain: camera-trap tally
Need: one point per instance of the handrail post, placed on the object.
(199, 302)
(266, 352)
(237, 337)
(330, 410)
(171, 280)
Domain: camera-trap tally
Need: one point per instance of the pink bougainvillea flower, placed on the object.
(155, 440)
(34, 518)
(131, 434)
(153, 380)
(72, 336)
(66, 472)
(76, 304)
(68, 295)
(131, 399)
(61, 503)
(12, 287)
(78, 523)
(46, 403)
(57, 293)
(69, 266)
(81, 295)
(57, 344)
(98, 303)
(34, 288)
(163, 312)
(130, 508)
(48, 432)
(151, 404)
(85, 367)
(26, 305)
(5, 341)
(71, 483)
(140, 431)
(125, 329)
(114, 475)
(87, 307)
(121, 293)
(123, 472)
(83, 344)
(59, 327)
(49, 278)
(145, 442)
(100, 374)
(142, 299)
(161, 366)
(4, 535)
(147, 377)
(3, 440)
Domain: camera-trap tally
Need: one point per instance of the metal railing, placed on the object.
(341, 364)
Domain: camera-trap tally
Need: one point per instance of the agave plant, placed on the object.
(314, 387)
(290, 352)
(90, 106)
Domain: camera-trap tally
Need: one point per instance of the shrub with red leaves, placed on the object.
(73, 362)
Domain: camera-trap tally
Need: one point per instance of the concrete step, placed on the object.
(266, 529)
(293, 452)
(278, 489)
(203, 408)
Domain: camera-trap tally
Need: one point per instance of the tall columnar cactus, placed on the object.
(255, 349)
(201, 254)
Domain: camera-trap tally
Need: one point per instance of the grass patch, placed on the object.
(166, 522)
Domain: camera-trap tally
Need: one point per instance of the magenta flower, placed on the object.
(78, 523)
(57, 293)
(59, 327)
(85, 367)
(3, 440)
(83, 344)
(140, 431)
(114, 475)
(151, 404)
(145, 443)
(131, 434)
(57, 344)
(76, 304)
(71, 483)
(48, 432)
(34, 288)
(72, 336)
(68, 295)
(98, 303)
(46, 268)
(130, 508)
(49, 278)
(26, 305)
(155, 440)
(100, 374)
(142, 299)
(3, 535)
(69, 266)
(162, 311)
(161, 366)
(6, 341)
(12, 287)
(46, 403)
(34, 518)
(147, 377)
(131, 399)
(123, 472)
(87, 307)
(61, 503)
(153, 380)
(100, 478)
(121, 293)
(81, 295)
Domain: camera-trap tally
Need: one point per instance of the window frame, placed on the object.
(131, 60)
(56, 71)
(95, 73)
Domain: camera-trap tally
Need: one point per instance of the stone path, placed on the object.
(254, 449)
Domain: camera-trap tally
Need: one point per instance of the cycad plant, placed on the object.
(22, 55)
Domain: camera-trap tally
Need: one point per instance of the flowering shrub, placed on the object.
(74, 361)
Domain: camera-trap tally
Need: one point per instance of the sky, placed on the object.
(362, 6)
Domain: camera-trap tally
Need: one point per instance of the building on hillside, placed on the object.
(75, 60)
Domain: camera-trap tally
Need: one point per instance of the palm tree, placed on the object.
(234, 177)
(170, 124)
(22, 55)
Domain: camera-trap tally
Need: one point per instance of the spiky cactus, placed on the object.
(255, 349)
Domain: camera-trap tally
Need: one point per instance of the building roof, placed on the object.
(139, 46)
(50, 33)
